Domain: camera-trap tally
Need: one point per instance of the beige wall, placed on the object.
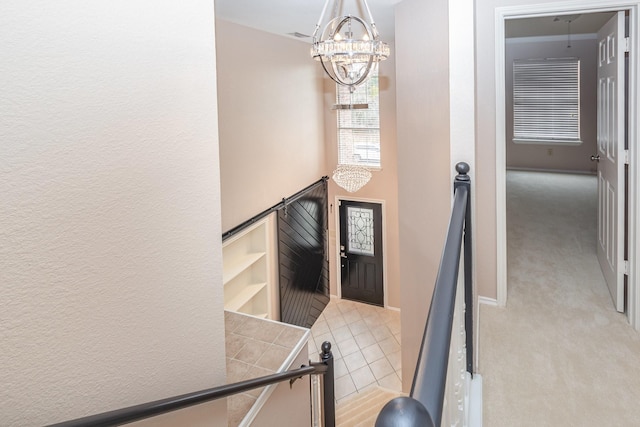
(561, 157)
(110, 261)
(271, 120)
(383, 185)
(424, 184)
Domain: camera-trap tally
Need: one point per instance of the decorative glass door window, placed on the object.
(360, 231)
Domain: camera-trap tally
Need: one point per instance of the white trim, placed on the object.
(573, 172)
(633, 309)
(552, 9)
(475, 400)
(268, 390)
(382, 204)
(501, 162)
(462, 115)
(487, 301)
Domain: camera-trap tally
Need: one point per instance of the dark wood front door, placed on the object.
(361, 252)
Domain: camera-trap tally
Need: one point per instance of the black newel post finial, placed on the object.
(326, 357)
(404, 411)
(463, 169)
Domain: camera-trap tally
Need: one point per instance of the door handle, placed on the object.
(343, 255)
(595, 158)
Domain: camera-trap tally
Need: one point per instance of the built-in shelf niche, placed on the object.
(248, 271)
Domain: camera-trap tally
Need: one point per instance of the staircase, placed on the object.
(362, 409)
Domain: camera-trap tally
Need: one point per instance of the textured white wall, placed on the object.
(110, 259)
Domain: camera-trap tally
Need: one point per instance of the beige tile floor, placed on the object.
(365, 343)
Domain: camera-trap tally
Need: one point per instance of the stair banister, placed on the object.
(130, 414)
(426, 402)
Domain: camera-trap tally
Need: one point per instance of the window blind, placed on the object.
(546, 100)
(359, 129)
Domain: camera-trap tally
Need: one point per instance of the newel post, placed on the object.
(329, 399)
(463, 180)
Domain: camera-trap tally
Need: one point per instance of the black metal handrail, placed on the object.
(283, 204)
(159, 407)
(424, 405)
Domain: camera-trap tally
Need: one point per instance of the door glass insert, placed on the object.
(360, 231)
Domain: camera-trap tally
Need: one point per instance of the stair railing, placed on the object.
(323, 369)
(439, 393)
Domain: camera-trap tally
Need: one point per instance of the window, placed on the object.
(359, 129)
(546, 101)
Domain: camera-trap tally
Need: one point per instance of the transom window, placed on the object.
(546, 101)
(358, 128)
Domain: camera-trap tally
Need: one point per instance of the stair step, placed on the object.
(362, 409)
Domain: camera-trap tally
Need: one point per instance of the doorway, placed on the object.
(361, 251)
(504, 14)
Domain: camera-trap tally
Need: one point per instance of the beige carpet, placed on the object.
(558, 354)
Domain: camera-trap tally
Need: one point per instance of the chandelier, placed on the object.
(351, 177)
(348, 47)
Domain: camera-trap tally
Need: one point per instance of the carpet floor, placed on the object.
(558, 354)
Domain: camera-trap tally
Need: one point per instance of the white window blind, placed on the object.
(546, 101)
(359, 129)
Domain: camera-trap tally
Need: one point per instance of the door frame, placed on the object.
(553, 9)
(384, 243)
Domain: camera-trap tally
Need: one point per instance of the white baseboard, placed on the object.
(577, 172)
(488, 301)
(475, 401)
(393, 308)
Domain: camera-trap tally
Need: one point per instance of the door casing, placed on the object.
(554, 9)
(384, 243)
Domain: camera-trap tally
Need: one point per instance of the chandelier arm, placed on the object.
(362, 78)
(373, 23)
(329, 73)
(319, 24)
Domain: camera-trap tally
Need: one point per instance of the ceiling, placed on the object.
(548, 26)
(285, 17)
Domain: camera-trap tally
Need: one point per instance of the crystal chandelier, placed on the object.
(348, 47)
(351, 177)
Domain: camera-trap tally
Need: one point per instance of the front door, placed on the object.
(361, 252)
(610, 156)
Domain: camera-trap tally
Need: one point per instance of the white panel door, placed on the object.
(611, 132)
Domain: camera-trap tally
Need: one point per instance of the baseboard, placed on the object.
(573, 172)
(475, 401)
(388, 307)
(488, 301)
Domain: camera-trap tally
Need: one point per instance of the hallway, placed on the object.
(558, 354)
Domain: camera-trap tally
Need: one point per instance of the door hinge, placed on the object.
(626, 157)
(627, 44)
(626, 267)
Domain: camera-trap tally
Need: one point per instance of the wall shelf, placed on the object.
(247, 271)
(239, 264)
(244, 296)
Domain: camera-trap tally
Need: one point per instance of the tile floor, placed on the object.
(365, 343)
